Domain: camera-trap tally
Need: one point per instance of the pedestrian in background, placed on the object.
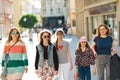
(46, 61)
(111, 31)
(30, 37)
(84, 58)
(64, 55)
(95, 32)
(104, 46)
(18, 61)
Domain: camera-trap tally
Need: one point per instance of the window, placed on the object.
(51, 11)
(58, 10)
(74, 23)
(44, 11)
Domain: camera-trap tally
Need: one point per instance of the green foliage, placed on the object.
(28, 21)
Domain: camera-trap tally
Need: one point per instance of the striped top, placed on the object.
(18, 57)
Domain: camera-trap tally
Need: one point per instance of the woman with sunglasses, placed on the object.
(18, 61)
(64, 55)
(104, 47)
(46, 62)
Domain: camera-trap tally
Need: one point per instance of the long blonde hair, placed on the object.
(9, 35)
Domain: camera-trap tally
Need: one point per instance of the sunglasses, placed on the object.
(46, 36)
(14, 33)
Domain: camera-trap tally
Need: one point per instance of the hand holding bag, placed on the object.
(7, 58)
(76, 75)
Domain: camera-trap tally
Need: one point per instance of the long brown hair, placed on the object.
(58, 32)
(10, 37)
(79, 46)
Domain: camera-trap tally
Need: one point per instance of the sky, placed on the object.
(36, 3)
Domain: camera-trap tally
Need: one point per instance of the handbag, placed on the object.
(3, 77)
(7, 58)
(76, 75)
(115, 67)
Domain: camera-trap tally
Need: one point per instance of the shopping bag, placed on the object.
(3, 76)
(76, 75)
(4, 73)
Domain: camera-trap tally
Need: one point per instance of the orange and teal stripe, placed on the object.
(18, 59)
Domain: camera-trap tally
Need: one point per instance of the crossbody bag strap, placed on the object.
(7, 57)
(12, 46)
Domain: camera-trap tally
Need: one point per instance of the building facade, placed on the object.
(54, 13)
(6, 17)
(17, 11)
(72, 17)
(91, 13)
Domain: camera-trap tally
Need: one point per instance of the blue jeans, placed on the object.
(85, 73)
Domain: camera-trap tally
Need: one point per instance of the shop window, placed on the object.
(51, 11)
(58, 10)
(73, 23)
(44, 11)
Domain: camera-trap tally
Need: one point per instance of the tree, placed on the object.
(28, 21)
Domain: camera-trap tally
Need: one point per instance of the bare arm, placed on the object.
(94, 69)
(114, 51)
(69, 58)
(92, 47)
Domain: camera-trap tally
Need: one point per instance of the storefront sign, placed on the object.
(103, 9)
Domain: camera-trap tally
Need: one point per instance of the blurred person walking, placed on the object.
(104, 45)
(46, 61)
(64, 56)
(16, 50)
(30, 37)
(84, 58)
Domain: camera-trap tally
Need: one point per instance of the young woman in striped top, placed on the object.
(18, 62)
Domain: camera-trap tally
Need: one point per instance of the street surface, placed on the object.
(31, 55)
